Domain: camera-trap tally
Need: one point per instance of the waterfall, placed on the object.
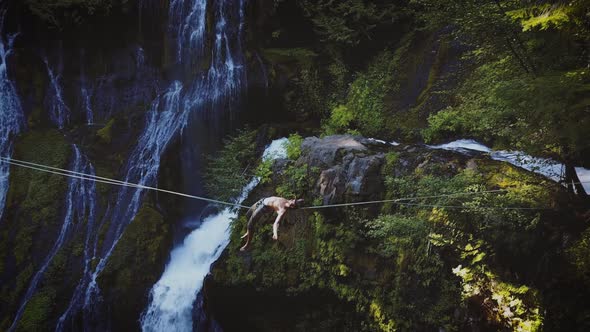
(168, 116)
(80, 204)
(188, 28)
(226, 74)
(546, 167)
(172, 297)
(86, 92)
(59, 113)
(163, 120)
(11, 117)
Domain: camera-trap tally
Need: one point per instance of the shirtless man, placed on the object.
(277, 204)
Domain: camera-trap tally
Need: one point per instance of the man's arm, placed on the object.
(275, 226)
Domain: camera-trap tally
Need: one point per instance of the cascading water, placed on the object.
(80, 204)
(59, 112)
(173, 296)
(215, 94)
(189, 17)
(85, 94)
(11, 118)
(168, 116)
(546, 167)
(226, 74)
(164, 119)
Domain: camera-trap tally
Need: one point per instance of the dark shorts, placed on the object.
(256, 211)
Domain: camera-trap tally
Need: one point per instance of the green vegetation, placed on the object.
(60, 12)
(135, 265)
(37, 311)
(106, 133)
(511, 73)
(364, 108)
(349, 21)
(36, 197)
(527, 112)
(293, 146)
(414, 266)
(35, 202)
(230, 170)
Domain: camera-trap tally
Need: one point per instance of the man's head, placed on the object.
(294, 203)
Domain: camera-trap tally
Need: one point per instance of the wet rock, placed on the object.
(349, 169)
(324, 151)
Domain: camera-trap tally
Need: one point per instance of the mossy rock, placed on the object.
(105, 134)
(38, 311)
(34, 209)
(135, 265)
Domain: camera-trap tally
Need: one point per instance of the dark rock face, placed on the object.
(349, 169)
(324, 152)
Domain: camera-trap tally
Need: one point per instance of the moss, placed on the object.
(3, 250)
(135, 265)
(105, 134)
(58, 13)
(39, 194)
(36, 195)
(21, 282)
(23, 244)
(435, 70)
(102, 233)
(34, 207)
(302, 56)
(38, 312)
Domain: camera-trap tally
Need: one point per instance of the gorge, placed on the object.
(479, 215)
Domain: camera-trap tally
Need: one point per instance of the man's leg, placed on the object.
(249, 215)
(249, 227)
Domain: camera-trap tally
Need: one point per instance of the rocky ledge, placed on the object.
(461, 259)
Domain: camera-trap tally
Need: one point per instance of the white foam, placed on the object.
(377, 140)
(172, 297)
(544, 166)
(584, 175)
(466, 144)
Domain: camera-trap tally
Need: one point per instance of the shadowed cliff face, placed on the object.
(132, 97)
(393, 265)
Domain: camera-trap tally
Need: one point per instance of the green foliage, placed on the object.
(293, 146)
(59, 12)
(364, 108)
(528, 113)
(232, 167)
(507, 306)
(544, 16)
(308, 94)
(339, 121)
(579, 256)
(39, 193)
(394, 234)
(391, 159)
(264, 171)
(296, 180)
(397, 268)
(349, 21)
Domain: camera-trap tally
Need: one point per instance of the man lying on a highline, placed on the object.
(277, 204)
